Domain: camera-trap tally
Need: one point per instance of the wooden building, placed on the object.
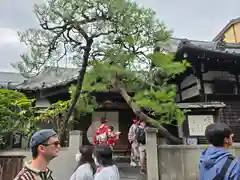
(213, 76)
(211, 83)
(230, 33)
(53, 85)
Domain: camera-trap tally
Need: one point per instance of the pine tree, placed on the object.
(111, 42)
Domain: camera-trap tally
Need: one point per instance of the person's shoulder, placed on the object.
(84, 167)
(24, 174)
(84, 171)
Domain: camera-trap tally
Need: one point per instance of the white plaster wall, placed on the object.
(113, 117)
(191, 92)
(208, 87)
(222, 75)
(188, 81)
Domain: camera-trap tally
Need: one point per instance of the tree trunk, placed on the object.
(163, 131)
(79, 81)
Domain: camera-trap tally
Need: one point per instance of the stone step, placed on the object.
(119, 158)
(130, 173)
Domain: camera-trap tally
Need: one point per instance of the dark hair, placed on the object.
(35, 149)
(111, 128)
(86, 157)
(104, 155)
(103, 120)
(216, 133)
(34, 152)
(143, 121)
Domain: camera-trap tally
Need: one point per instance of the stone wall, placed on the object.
(174, 162)
(63, 165)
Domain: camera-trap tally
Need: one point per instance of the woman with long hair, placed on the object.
(86, 167)
(107, 170)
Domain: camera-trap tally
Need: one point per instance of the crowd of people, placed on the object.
(96, 162)
(106, 135)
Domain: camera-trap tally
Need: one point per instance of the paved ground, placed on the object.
(129, 173)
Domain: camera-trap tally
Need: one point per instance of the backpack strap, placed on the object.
(224, 169)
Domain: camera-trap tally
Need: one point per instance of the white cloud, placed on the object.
(8, 36)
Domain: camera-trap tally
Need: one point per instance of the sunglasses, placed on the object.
(56, 144)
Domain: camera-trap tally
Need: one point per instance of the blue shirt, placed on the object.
(211, 162)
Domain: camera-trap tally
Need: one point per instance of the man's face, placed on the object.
(229, 141)
(51, 148)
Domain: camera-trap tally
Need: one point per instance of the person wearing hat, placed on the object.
(45, 146)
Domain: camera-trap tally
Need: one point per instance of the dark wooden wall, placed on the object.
(231, 113)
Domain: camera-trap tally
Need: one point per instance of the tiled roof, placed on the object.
(10, 79)
(175, 44)
(53, 76)
(50, 77)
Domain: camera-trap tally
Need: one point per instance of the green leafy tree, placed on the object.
(54, 115)
(151, 85)
(16, 114)
(112, 38)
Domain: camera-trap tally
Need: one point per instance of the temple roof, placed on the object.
(176, 43)
(52, 76)
(49, 77)
(9, 79)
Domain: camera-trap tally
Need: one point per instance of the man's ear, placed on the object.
(41, 148)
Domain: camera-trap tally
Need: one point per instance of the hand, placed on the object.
(118, 133)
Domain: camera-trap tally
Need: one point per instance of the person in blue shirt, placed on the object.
(215, 156)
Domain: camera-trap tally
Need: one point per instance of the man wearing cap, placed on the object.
(45, 146)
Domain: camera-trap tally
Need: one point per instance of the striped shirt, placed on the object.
(29, 173)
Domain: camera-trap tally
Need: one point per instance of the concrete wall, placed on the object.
(63, 165)
(174, 162)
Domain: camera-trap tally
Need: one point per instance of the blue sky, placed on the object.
(193, 19)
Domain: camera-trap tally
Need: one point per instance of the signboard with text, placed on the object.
(198, 123)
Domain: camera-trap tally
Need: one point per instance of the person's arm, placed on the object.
(130, 134)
